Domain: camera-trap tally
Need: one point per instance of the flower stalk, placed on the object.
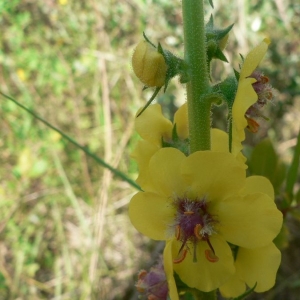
(198, 87)
(196, 57)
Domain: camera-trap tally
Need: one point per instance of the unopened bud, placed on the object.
(149, 65)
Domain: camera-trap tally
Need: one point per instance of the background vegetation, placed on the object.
(64, 228)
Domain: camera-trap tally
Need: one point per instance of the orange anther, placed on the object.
(177, 232)
(269, 95)
(210, 256)
(264, 79)
(142, 274)
(188, 213)
(181, 257)
(197, 229)
(253, 126)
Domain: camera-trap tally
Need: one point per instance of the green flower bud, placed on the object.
(216, 40)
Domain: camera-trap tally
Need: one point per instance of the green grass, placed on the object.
(64, 229)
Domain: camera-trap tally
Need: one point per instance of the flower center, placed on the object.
(193, 224)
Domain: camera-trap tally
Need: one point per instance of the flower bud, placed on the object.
(153, 284)
(216, 40)
(149, 65)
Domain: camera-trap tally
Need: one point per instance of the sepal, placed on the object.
(216, 40)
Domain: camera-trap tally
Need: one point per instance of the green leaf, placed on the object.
(176, 66)
(220, 55)
(264, 161)
(236, 74)
(210, 23)
(228, 88)
(211, 3)
(292, 173)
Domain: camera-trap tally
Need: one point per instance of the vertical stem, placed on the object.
(198, 86)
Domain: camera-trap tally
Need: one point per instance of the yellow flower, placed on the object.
(155, 129)
(257, 265)
(245, 96)
(198, 204)
(149, 65)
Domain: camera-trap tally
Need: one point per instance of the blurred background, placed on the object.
(64, 227)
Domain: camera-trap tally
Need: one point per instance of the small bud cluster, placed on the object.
(264, 92)
(153, 284)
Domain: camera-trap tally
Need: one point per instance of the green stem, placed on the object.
(84, 149)
(198, 86)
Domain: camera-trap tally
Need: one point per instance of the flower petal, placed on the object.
(220, 143)
(244, 98)
(253, 59)
(258, 265)
(219, 140)
(258, 184)
(152, 126)
(251, 221)
(142, 153)
(204, 275)
(164, 170)
(234, 287)
(213, 174)
(151, 214)
(181, 121)
(168, 267)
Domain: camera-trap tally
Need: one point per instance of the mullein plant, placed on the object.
(218, 224)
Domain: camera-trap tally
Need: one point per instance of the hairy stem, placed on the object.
(198, 86)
